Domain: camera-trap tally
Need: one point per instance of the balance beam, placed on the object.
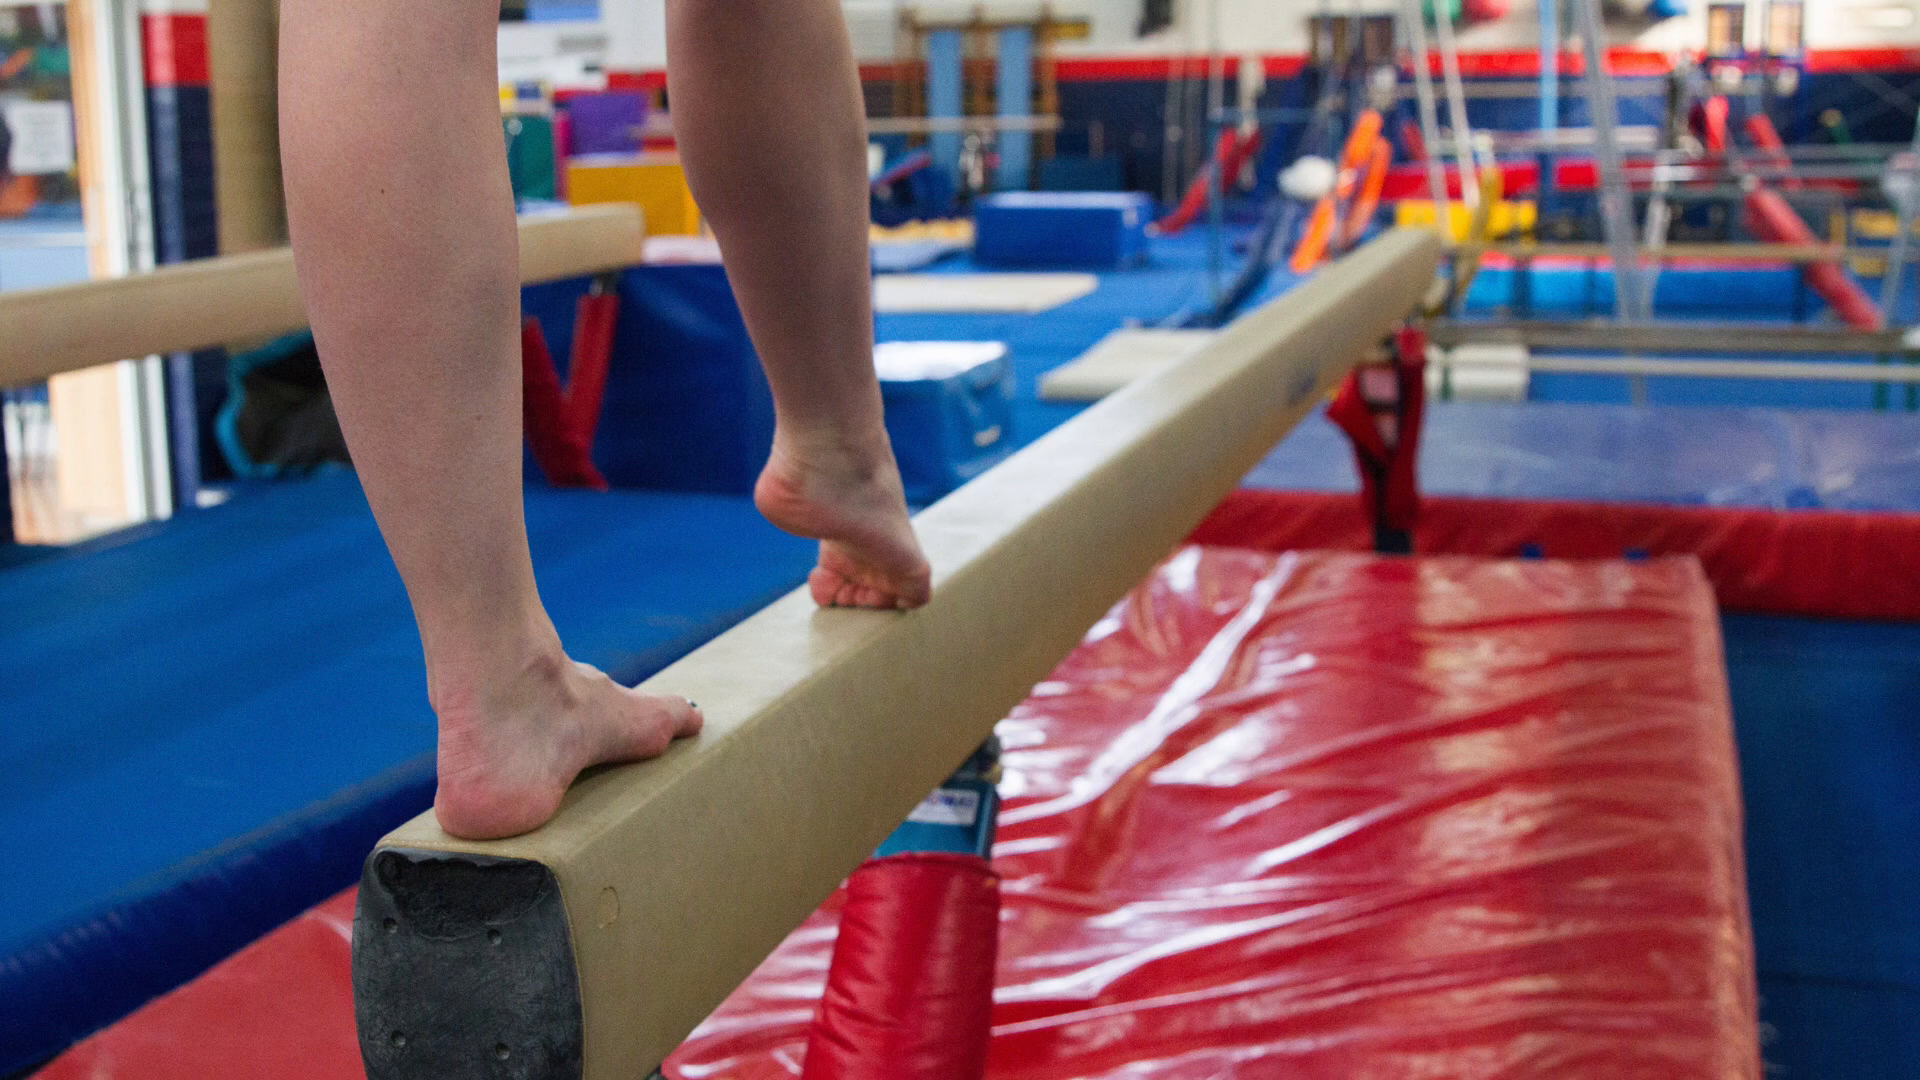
(591, 947)
(233, 298)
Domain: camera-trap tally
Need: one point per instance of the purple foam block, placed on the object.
(607, 123)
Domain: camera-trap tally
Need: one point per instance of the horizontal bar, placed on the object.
(1742, 253)
(1813, 371)
(661, 885)
(237, 298)
(1656, 337)
(71, 238)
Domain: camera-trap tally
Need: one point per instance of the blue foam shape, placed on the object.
(688, 407)
(1699, 456)
(1062, 229)
(1728, 292)
(947, 431)
(185, 704)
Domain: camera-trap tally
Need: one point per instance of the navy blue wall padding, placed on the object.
(1077, 172)
(186, 226)
(1093, 230)
(205, 724)
(947, 431)
(1619, 453)
(1825, 714)
(6, 503)
(687, 406)
(186, 223)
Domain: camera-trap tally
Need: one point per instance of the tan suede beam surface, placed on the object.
(825, 728)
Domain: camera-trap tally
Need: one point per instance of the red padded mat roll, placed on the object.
(1336, 816)
(910, 992)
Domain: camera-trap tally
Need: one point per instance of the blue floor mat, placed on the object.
(1827, 714)
(207, 723)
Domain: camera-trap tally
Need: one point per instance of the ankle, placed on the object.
(476, 682)
(861, 451)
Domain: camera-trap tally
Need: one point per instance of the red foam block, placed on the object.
(910, 993)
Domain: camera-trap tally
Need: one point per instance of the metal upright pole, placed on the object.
(1549, 68)
(1216, 167)
(1457, 105)
(1416, 24)
(1616, 205)
(1903, 233)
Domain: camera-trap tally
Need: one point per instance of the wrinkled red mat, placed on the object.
(1329, 815)
(1317, 816)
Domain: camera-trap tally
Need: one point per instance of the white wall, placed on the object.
(636, 34)
(1861, 24)
(638, 27)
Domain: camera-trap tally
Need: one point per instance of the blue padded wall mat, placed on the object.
(1827, 715)
(1834, 460)
(205, 725)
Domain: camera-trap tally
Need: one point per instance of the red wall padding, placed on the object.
(1317, 816)
(1794, 562)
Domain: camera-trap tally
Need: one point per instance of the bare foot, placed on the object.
(851, 501)
(508, 753)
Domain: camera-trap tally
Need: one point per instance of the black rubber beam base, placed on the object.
(463, 968)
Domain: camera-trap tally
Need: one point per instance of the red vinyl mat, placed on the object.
(1336, 816)
(1322, 815)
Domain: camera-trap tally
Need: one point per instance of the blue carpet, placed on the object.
(209, 722)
